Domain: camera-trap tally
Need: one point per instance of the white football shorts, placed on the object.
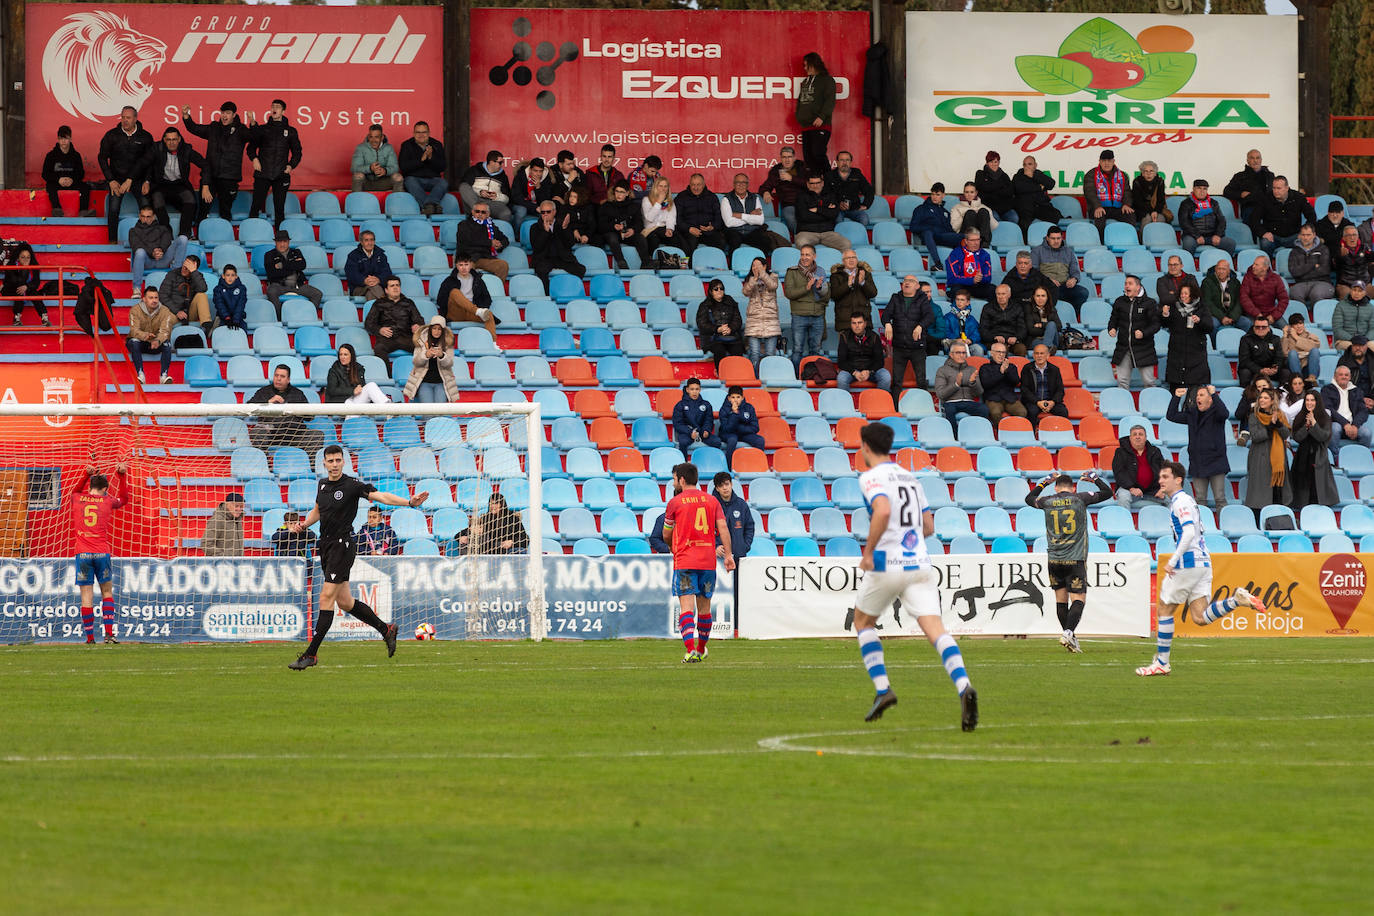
(916, 587)
(1186, 585)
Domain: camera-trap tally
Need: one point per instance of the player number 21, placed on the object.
(904, 516)
(1064, 523)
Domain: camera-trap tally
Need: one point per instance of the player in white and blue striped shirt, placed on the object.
(1186, 580)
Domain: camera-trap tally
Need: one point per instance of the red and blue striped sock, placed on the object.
(88, 623)
(686, 622)
(703, 630)
(107, 615)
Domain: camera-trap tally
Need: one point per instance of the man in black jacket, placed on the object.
(619, 220)
(1001, 384)
(1261, 354)
(167, 178)
(121, 160)
(698, 217)
(1023, 280)
(226, 138)
(421, 161)
(1032, 190)
(275, 148)
(481, 240)
(1134, 323)
(1042, 387)
(1250, 184)
(551, 243)
(269, 433)
(1004, 321)
(861, 356)
(63, 170)
(531, 186)
(1279, 215)
(817, 214)
(392, 321)
(285, 268)
(1135, 470)
(851, 191)
(908, 322)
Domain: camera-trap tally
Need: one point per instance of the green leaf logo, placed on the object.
(1053, 75)
(1165, 74)
(1103, 58)
(1103, 39)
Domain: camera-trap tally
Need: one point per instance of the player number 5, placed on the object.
(89, 516)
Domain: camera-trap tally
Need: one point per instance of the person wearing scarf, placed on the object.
(1267, 465)
(481, 240)
(1201, 221)
(1351, 262)
(1105, 190)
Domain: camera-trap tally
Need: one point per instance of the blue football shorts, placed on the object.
(93, 567)
(694, 582)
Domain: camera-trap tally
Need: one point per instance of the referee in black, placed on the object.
(336, 505)
(1066, 530)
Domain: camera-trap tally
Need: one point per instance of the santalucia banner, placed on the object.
(1305, 594)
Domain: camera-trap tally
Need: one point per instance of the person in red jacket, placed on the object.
(1263, 294)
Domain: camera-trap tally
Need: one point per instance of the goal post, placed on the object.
(191, 467)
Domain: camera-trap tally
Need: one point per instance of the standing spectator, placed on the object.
(1261, 355)
(817, 214)
(480, 240)
(969, 268)
(1134, 323)
(995, 188)
(1300, 348)
(1042, 387)
(1290, 400)
(1262, 293)
(815, 108)
(742, 212)
(1167, 286)
(738, 519)
(285, 268)
(1207, 420)
(851, 191)
(1135, 469)
(150, 332)
(1107, 193)
(1042, 320)
(762, 330)
(852, 289)
(972, 213)
(1221, 296)
(422, 163)
(1001, 385)
(1032, 189)
(960, 325)
(601, 179)
(1345, 404)
(1189, 325)
(226, 138)
(1309, 263)
(1331, 227)
(167, 177)
(643, 175)
(486, 180)
(374, 166)
(366, 268)
(739, 423)
(1353, 316)
(274, 146)
(1251, 183)
(659, 216)
(432, 380)
(465, 296)
(807, 290)
(1267, 465)
(1361, 362)
(274, 432)
(1201, 221)
(698, 217)
(1023, 280)
(288, 542)
(1351, 261)
(152, 245)
(392, 320)
(64, 170)
(786, 180)
(21, 282)
(931, 224)
(621, 222)
(532, 186)
(230, 299)
(958, 386)
(1004, 321)
(693, 422)
(656, 542)
(862, 356)
(498, 531)
(552, 243)
(1279, 215)
(377, 538)
(223, 535)
(720, 327)
(122, 149)
(1058, 263)
(908, 322)
(347, 381)
(185, 293)
(1314, 484)
(1147, 195)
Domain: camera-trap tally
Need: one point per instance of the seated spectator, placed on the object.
(532, 186)
(167, 179)
(995, 188)
(1032, 188)
(659, 216)
(273, 432)
(486, 180)
(1202, 223)
(960, 325)
(421, 162)
(1024, 279)
(851, 191)
(1135, 470)
(432, 381)
(151, 246)
(566, 175)
(464, 296)
(1300, 348)
(1353, 315)
(969, 267)
(392, 320)
(1314, 484)
(693, 422)
(1309, 263)
(1278, 216)
(1107, 193)
(150, 332)
(223, 534)
(1207, 420)
(908, 321)
(184, 293)
(230, 300)
(620, 222)
(972, 213)
(1042, 320)
(720, 327)
(288, 542)
(1250, 184)
(852, 288)
(817, 214)
(1351, 261)
(285, 269)
(579, 215)
(931, 224)
(601, 179)
(1004, 322)
(642, 176)
(64, 170)
(1262, 293)
(377, 538)
(1167, 286)
(1221, 296)
(861, 357)
(1148, 195)
(498, 531)
(347, 381)
(1345, 404)
(762, 329)
(20, 282)
(1189, 325)
(807, 290)
(552, 243)
(958, 386)
(739, 423)
(786, 180)
(1001, 385)
(742, 213)
(1058, 263)
(1361, 362)
(482, 241)
(1261, 355)
(374, 165)
(1331, 227)
(1134, 323)
(1267, 464)
(366, 267)
(1042, 387)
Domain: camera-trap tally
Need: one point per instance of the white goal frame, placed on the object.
(534, 437)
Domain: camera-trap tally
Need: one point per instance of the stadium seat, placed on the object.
(615, 372)
(916, 404)
(786, 522)
(747, 463)
(662, 460)
(600, 493)
(417, 462)
(244, 371)
(737, 370)
(845, 546)
(766, 493)
(608, 433)
(643, 493)
(777, 372)
(833, 403)
(1030, 522)
(1270, 512)
(709, 461)
(1317, 521)
(1254, 543)
(560, 493)
(590, 547)
(1075, 459)
(914, 459)
(263, 495)
(800, 546)
(1096, 373)
(575, 372)
(569, 433)
(638, 342)
(972, 493)
(248, 463)
(1154, 522)
(1010, 492)
(1034, 460)
(657, 372)
(832, 463)
(1357, 520)
(934, 433)
(1015, 432)
(649, 433)
(565, 288)
(619, 523)
(951, 522)
(1008, 544)
(790, 463)
(953, 461)
(1114, 522)
(876, 404)
(991, 522)
(1133, 543)
(814, 433)
(995, 463)
(1295, 543)
(807, 493)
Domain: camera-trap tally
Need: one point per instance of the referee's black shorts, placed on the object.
(1070, 576)
(336, 558)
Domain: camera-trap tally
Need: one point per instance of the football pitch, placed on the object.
(610, 778)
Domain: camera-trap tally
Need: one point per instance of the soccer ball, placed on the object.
(424, 631)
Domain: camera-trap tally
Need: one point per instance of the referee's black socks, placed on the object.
(368, 616)
(322, 624)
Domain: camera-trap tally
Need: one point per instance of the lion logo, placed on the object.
(95, 64)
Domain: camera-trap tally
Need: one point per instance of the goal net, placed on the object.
(204, 550)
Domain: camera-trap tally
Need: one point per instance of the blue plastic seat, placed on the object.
(633, 404)
(618, 523)
(557, 342)
(709, 461)
(832, 463)
(1133, 543)
(1336, 542)
(808, 493)
(843, 546)
(975, 432)
(600, 493)
(248, 463)
(290, 463)
(972, 492)
(417, 462)
(598, 342)
(245, 372)
(376, 461)
(262, 494)
(935, 433)
(565, 288)
(1115, 522)
(533, 372)
(778, 372)
(202, 372)
(643, 493)
(615, 372)
(1270, 512)
(965, 545)
(1009, 492)
(992, 522)
(1254, 543)
(800, 546)
(649, 433)
(813, 433)
(1295, 543)
(584, 463)
(916, 404)
(603, 287)
(950, 522)
(662, 459)
(1008, 544)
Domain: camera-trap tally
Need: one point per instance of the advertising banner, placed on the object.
(706, 91)
(62, 384)
(338, 69)
(1064, 86)
(994, 595)
(1305, 594)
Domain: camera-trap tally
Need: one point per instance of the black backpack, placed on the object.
(93, 297)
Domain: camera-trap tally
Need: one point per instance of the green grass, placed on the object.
(609, 778)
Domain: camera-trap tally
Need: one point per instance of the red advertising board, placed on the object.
(338, 69)
(706, 91)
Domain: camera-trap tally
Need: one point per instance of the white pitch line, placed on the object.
(353, 758)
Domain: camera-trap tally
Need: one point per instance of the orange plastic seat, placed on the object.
(1010, 424)
(1104, 457)
(1034, 459)
(666, 400)
(953, 459)
(813, 383)
(1096, 431)
(791, 461)
(1079, 402)
(608, 433)
(978, 362)
(1020, 362)
(776, 433)
(574, 372)
(749, 460)
(762, 401)
(737, 370)
(625, 462)
(1075, 459)
(847, 431)
(657, 372)
(913, 459)
(1066, 369)
(876, 403)
(1053, 424)
(592, 403)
